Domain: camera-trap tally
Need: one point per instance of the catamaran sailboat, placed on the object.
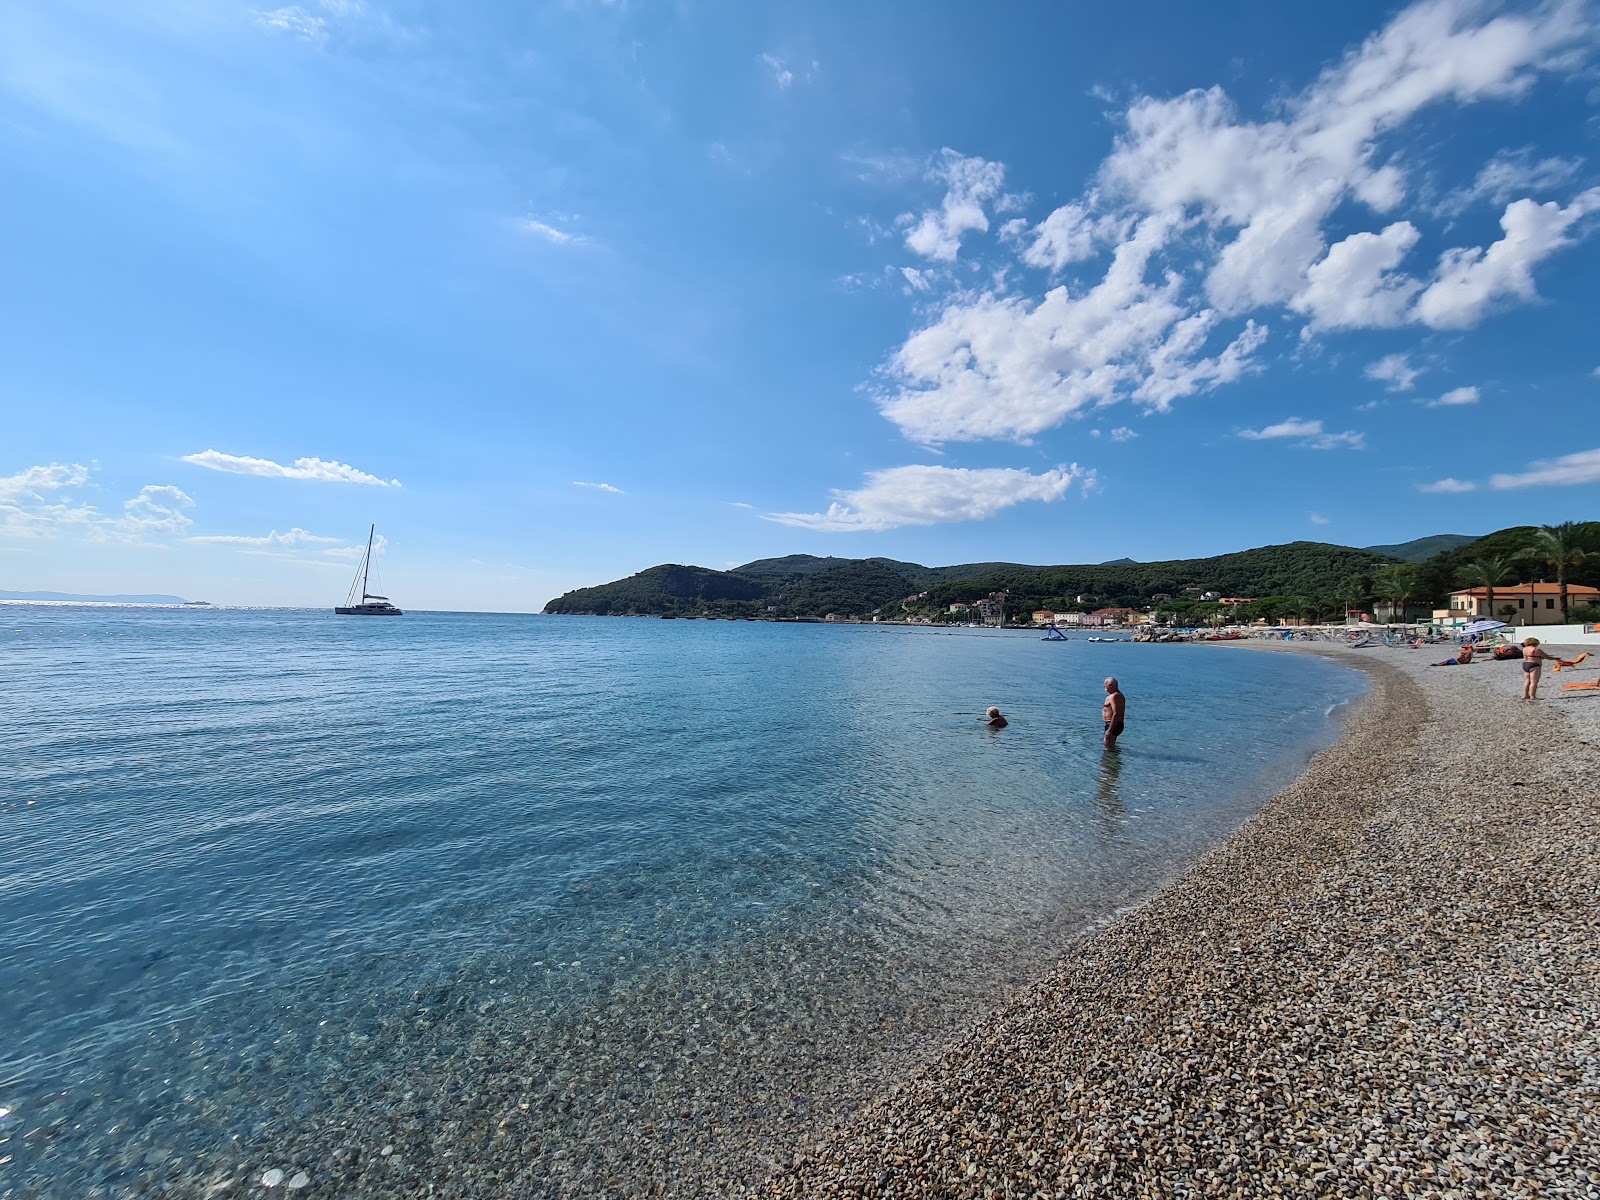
(369, 605)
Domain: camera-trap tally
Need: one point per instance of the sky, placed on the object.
(552, 293)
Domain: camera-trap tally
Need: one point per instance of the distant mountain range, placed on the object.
(71, 598)
(806, 585)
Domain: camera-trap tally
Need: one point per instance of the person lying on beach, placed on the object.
(995, 720)
(1462, 658)
(1506, 653)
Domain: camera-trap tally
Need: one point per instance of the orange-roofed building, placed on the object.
(1535, 603)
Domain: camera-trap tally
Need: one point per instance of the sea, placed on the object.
(557, 905)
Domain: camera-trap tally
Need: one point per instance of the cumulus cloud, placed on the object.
(1455, 397)
(1123, 434)
(923, 495)
(599, 487)
(158, 508)
(1201, 217)
(1583, 467)
(1318, 519)
(971, 183)
(1355, 286)
(1394, 372)
(1447, 486)
(1470, 279)
(27, 511)
(301, 468)
(1067, 235)
(36, 480)
(1309, 434)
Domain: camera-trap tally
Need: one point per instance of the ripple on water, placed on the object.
(632, 897)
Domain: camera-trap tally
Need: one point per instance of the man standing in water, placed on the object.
(1112, 712)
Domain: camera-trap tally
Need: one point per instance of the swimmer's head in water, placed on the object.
(994, 712)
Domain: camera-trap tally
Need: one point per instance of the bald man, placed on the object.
(1112, 712)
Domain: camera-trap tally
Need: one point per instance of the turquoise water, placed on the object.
(275, 882)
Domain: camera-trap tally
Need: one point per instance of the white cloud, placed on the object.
(599, 487)
(292, 540)
(970, 184)
(1207, 216)
(1354, 285)
(918, 280)
(550, 233)
(1277, 181)
(1509, 174)
(35, 480)
(998, 366)
(1318, 519)
(295, 21)
(1455, 397)
(781, 74)
(26, 511)
(1307, 433)
(158, 508)
(1469, 280)
(739, 504)
(1067, 235)
(1349, 440)
(1447, 486)
(1294, 427)
(923, 495)
(1122, 434)
(301, 468)
(1583, 467)
(1395, 372)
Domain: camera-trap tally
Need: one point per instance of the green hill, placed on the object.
(1424, 548)
(1288, 578)
(803, 585)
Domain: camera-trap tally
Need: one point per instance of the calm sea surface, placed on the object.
(584, 900)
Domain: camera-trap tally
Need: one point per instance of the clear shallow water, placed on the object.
(278, 889)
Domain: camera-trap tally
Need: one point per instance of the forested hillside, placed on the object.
(1300, 578)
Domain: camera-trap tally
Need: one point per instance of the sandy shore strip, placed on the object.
(1387, 983)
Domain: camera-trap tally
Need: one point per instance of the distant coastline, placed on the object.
(71, 598)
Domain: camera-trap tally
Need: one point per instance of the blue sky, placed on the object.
(555, 292)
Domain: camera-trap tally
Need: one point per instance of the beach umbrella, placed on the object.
(1485, 626)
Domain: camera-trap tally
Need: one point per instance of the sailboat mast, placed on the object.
(366, 561)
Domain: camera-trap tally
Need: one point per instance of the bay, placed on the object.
(278, 889)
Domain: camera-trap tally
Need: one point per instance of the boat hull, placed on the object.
(368, 610)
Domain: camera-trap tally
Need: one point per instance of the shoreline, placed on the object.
(1385, 980)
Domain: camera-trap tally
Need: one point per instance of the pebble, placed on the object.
(1385, 984)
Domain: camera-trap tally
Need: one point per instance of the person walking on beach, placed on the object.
(1112, 712)
(1533, 660)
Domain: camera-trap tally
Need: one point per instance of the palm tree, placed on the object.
(1488, 573)
(1562, 546)
(1395, 585)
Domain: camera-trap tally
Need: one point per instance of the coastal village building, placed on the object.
(1532, 603)
(1043, 616)
(1236, 601)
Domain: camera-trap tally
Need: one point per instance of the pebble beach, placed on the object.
(1385, 984)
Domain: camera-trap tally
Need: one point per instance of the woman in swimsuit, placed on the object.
(1532, 667)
